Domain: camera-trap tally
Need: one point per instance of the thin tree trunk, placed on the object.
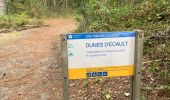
(2, 7)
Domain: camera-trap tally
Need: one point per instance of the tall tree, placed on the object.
(2, 7)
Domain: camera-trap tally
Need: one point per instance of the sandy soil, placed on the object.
(29, 64)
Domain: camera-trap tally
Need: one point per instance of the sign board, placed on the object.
(100, 54)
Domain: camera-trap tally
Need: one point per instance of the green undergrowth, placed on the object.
(13, 21)
(150, 16)
(16, 21)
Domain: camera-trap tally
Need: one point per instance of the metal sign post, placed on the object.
(102, 54)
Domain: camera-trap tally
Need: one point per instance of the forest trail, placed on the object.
(29, 63)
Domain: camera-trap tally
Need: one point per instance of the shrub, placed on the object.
(13, 21)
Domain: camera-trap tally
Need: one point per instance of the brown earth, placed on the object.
(30, 70)
(29, 64)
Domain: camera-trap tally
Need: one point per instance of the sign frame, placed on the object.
(135, 89)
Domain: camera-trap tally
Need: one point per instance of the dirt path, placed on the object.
(29, 65)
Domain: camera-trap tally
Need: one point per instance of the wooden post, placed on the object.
(64, 65)
(136, 79)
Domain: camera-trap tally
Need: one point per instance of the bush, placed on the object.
(13, 21)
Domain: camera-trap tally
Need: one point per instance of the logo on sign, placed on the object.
(70, 54)
(88, 74)
(96, 74)
(70, 36)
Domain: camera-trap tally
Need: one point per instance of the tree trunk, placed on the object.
(2, 7)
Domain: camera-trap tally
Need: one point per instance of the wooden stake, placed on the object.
(136, 79)
(64, 65)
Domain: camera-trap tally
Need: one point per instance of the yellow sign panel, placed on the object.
(79, 73)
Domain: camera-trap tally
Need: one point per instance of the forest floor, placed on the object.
(30, 67)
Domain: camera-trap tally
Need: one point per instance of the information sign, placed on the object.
(100, 54)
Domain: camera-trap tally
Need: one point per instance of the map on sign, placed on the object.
(100, 54)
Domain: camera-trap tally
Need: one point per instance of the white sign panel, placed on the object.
(101, 54)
